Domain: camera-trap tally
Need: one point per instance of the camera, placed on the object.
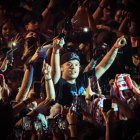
(58, 122)
(79, 106)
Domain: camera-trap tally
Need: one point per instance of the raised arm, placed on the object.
(50, 92)
(98, 13)
(28, 77)
(48, 16)
(26, 84)
(4, 64)
(55, 61)
(109, 58)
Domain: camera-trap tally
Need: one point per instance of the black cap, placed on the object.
(69, 56)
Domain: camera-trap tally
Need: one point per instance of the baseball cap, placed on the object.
(69, 56)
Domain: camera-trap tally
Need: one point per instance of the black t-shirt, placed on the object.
(66, 92)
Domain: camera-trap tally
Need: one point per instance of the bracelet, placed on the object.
(48, 79)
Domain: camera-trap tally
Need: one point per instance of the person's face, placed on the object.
(136, 60)
(70, 70)
(13, 86)
(32, 26)
(118, 16)
(107, 12)
(6, 30)
(2, 11)
(135, 41)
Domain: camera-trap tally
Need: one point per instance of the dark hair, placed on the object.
(87, 130)
(31, 17)
(15, 75)
(135, 51)
(136, 29)
(8, 21)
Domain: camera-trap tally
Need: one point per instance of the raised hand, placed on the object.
(121, 42)
(31, 34)
(46, 70)
(52, 3)
(108, 116)
(58, 43)
(38, 55)
(15, 41)
(71, 118)
(44, 105)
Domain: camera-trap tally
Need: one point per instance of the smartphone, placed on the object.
(37, 125)
(52, 124)
(107, 104)
(37, 88)
(26, 123)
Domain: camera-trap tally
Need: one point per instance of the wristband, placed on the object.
(56, 53)
(48, 79)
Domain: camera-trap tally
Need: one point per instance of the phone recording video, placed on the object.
(107, 105)
(37, 88)
(26, 123)
(52, 124)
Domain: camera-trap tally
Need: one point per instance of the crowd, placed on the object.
(69, 70)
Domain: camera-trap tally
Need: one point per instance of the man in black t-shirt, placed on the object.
(68, 83)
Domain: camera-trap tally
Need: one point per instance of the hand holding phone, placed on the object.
(26, 123)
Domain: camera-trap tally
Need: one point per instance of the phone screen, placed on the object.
(107, 105)
(37, 88)
(52, 124)
(26, 123)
